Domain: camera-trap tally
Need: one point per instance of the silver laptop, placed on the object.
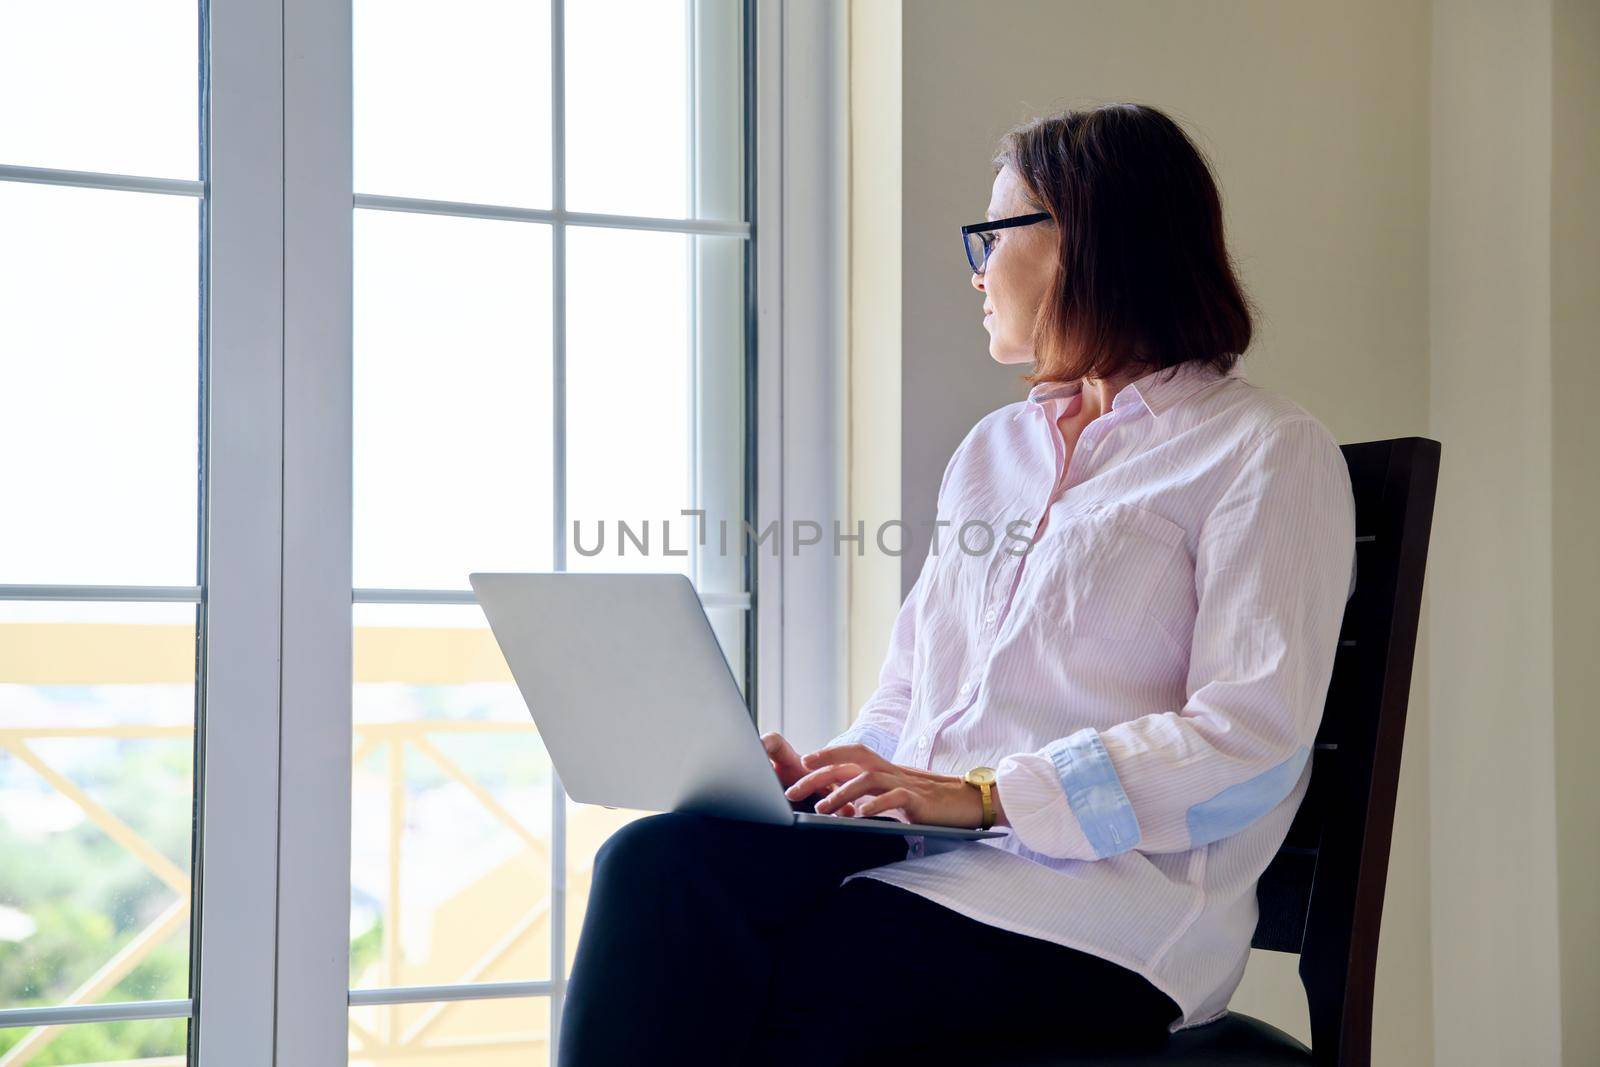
(636, 704)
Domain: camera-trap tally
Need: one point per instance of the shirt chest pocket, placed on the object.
(1116, 571)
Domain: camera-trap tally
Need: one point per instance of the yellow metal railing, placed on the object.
(400, 1037)
(14, 742)
(121, 654)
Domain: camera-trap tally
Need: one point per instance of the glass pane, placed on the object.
(452, 399)
(102, 85)
(96, 802)
(631, 403)
(717, 308)
(628, 100)
(641, 98)
(137, 1043)
(462, 1033)
(453, 103)
(450, 878)
(99, 378)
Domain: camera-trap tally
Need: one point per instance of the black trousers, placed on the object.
(714, 941)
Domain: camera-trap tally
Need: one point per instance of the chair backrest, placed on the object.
(1322, 895)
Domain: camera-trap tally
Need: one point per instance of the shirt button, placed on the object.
(989, 615)
(922, 742)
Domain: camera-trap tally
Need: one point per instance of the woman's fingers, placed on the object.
(785, 760)
(776, 744)
(898, 797)
(857, 754)
(850, 790)
(865, 757)
(820, 780)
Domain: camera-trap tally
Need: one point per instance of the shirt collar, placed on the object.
(1158, 391)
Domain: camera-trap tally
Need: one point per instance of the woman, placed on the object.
(1144, 682)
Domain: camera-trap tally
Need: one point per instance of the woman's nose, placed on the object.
(977, 282)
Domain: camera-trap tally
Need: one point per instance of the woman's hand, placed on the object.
(864, 783)
(785, 760)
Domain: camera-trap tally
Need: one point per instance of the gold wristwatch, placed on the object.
(983, 778)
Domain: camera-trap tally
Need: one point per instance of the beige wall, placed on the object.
(1408, 210)
(1575, 494)
(1494, 828)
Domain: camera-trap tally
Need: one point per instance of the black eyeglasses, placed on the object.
(979, 240)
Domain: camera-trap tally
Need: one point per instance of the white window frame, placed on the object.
(271, 899)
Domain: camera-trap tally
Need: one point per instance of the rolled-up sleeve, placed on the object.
(1274, 568)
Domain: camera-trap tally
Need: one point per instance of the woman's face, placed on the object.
(1013, 282)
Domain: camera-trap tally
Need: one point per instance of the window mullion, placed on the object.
(558, 454)
(235, 976)
(315, 762)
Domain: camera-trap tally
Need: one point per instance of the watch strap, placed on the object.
(983, 787)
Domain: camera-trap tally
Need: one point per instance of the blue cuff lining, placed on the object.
(1095, 792)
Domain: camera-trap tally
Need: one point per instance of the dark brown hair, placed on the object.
(1143, 276)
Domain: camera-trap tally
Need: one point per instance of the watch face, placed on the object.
(981, 776)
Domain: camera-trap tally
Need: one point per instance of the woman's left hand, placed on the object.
(854, 771)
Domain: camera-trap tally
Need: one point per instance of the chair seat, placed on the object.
(1231, 1041)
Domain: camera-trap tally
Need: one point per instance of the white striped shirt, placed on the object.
(1147, 678)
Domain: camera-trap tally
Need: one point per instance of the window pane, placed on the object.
(628, 107)
(453, 103)
(628, 101)
(102, 85)
(135, 1043)
(96, 802)
(99, 376)
(462, 1033)
(631, 402)
(640, 99)
(452, 399)
(450, 839)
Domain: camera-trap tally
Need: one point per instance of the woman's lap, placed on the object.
(674, 954)
(877, 970)
(733, 942)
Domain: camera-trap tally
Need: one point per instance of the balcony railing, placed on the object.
(464, 1007)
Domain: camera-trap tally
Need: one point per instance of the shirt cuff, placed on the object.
(879, 740)
(1066, 800)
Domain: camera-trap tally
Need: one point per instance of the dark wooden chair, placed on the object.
(1322, 895)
